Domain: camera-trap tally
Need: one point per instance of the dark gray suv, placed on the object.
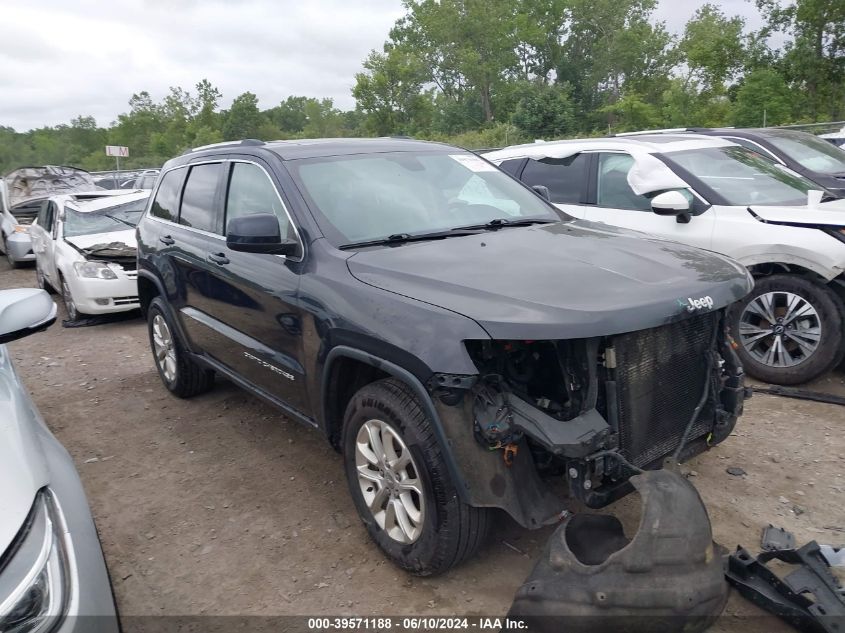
(462, 343)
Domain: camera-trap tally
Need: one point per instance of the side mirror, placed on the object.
(24, 311)
(258, 233)
(672, 203)
(542, 191)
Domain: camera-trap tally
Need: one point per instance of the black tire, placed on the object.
(830, 350)
(73, 313)
(190, 378)
(451, 531)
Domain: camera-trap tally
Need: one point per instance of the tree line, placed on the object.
(486, 73)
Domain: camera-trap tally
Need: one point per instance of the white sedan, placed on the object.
(85, 249)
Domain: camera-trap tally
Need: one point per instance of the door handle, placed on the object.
(218, 258)
(166, 239)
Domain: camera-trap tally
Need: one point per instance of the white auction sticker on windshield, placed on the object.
(473, 163)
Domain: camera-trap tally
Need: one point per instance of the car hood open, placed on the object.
(827, 213)
(22, 467)
(32, 183)
(562, 280)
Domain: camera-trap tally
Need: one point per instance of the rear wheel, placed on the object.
(400, 484)
(179, 372)
(789, 330)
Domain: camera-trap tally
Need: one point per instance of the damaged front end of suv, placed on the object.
(590, 412)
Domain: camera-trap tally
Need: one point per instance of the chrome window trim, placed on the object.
(281, 201)
(761, 150)
(217, 236)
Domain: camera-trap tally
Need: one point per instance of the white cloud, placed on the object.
(60, 59)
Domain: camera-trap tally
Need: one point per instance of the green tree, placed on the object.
(814, 61)
(546, 112)
(243, 119)
(390, 92)
(763, 99)
(466, 45)
(713, 47)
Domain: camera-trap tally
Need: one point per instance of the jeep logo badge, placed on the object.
(691, 305)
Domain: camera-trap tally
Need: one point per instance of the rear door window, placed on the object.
(166, 203)
(198, 209)
(564, 177)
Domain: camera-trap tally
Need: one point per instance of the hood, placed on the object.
(111, 244)
(554, 281)
(828, 213)
(32, 183)
(22, 468)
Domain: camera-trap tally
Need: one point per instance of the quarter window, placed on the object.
(614, 192)
(197, 210)
(564, 177)
(166, 203)
(251, 191)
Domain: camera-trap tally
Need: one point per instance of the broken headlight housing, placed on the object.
(34, 573)
(94, 270)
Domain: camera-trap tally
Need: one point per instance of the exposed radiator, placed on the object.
(660, 374)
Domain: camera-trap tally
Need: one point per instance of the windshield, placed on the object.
(736, 176)
(810, 152)
(369, 197)
(116, 218)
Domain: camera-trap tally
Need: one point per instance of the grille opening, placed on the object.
(660, 374)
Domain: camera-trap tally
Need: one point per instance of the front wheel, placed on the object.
(67, 298)
(400, 484)
(179, 372)
(789, 330)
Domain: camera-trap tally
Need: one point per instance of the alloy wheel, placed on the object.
(780, 329)
(165, 353)
(390, 481)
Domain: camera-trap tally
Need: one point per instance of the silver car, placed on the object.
(53, 577)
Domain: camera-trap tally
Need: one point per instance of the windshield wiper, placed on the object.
(830, 197)
(403, 238)
(500, 222)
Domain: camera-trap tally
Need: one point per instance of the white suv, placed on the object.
(720, 196)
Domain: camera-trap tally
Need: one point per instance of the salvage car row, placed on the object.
(464, 343)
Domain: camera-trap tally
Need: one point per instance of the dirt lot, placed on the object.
(219, 505)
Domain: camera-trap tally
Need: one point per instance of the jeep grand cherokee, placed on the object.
(465, 345)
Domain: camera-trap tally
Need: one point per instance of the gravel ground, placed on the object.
(219, 505)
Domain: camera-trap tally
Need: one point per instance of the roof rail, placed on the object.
(246, 141)
(671, 130)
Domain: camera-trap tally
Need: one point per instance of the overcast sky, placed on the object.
(59, 59)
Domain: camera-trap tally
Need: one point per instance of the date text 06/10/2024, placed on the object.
(403, 624)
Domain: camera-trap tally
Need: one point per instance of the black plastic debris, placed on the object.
(810, 597)
(736, 471)
(774, 538)
(101, 319)
(668, 577)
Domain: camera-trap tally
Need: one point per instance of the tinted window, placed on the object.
(614, 192)
(197, 209)
(511, 166)
(564, 177)
(166, 203)
(251, 191)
